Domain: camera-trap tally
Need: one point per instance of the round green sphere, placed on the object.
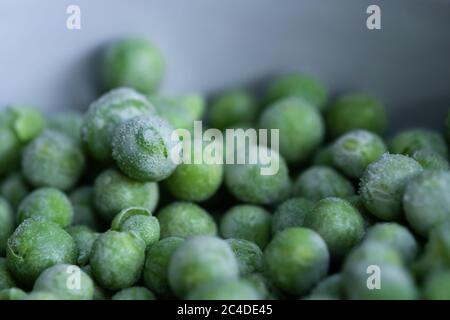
(7, 224)
(103, 116)
(117, 259)
(142, 148)
(318, 182)
(175, 111)
(409, 141)
(134, 63)
(339, 224)
(228, 290)
(248, 255)
(247, 222)
(300, 125)
(36, 245)
(14, 188)
(291, 213)
(431, 160)
(114, 192)
(200, 260)
(53, 160)
(296, 259)
(355, 150)
(68, 123)
(47, 203)
(185, 219)
(134, 293)
(355, 111)
(383, 184)
(66, 281)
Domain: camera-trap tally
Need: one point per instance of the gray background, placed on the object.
(211, 45)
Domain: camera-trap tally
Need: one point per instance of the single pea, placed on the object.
(35, 245)
(196, 181)
(66, 281)
(324, 156)
(318, 182)
(134, 293)
(426, 202)
(339, 224)
(383, 184)
(300, 125)
(299, 85)
(431, 160)
(84, 239)
(103, 116)
(82, 199)
(395, 236)
(247, 222)
(437, 286)
(133, 62)
(194, 103)
(53, 160)
(330, 286)
(200, 260)
(12, 294)
(174, 112)
(355, 150)
(232, 108)
(6, 279)
(296, 259)
(26, 122)
(291, 213)
(228, 290)
(142, 148)
(261, 182)
(48, 203)
(14, 188)
(68, 123)
(409, 141)
(6, 224)
(248, 255)
(117, 259)
(114, 192)
(140, 221)
(156, 266)
(185, 219)
(355, 111)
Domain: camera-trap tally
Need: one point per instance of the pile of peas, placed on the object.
(98, 197)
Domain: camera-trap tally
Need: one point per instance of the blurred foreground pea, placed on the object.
(296, 259)
(133, 62)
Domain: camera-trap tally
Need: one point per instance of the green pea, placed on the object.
(6, 224)
(410, 141)
(248, 255)
(14, 188)
(330, 286)
(84, 239)
(68, 123)
(134, 293)
(291, 213)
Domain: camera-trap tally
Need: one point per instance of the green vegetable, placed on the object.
(14, 188)
(291, 213)
(84, 239)
(229, 290)
(6, 224)
(134, 293)
(409, 141)
(248, 255)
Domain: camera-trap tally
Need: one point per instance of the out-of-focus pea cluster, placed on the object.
(93, 207)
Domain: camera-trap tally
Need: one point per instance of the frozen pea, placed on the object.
(53, 160)
(373, 253)
(142, 148)
(60, 280)
(174, 112)
(228, 290)
(259, 183)
(68, 123)
(318, 182)
(117, 259)
(383, 184)
(247, 222)
(291, 213)
(134, 293)
(133, 62)
(300, 126)
(394, 236)
(6, 279)
(299, 85)
(426, 202)
(355, 111)
(103, 116)
(248, 255)
(12, 294)
(82, 199)
(232, 108)
(355, 150)
(185, 219)
(437, 286)
(6, 224)
(410, 141)
(14, 188)
(84, 239)
(196, 182)
(431, 160)
(200, 260)
(114, 192)
(48, 203)
(140, 221)
(296, 259)
(330, 286)
(35, 245)
(156, 266)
